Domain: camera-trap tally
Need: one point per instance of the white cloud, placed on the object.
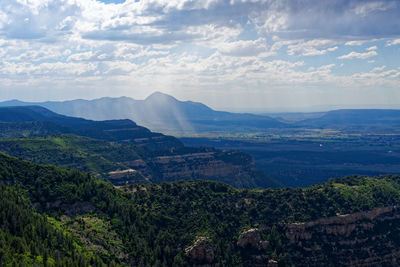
(244, 48)
(66, 24)
(205, 45)
(393, 42)
(311, 48)
(81, 56)
(120, 67)
(57, 69)
(355, 43)
(379, 75)
(378, 69)
(366, 8)
(295, 19)
(372, 48)
(353, 54)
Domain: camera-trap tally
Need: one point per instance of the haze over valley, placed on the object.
(295, 149)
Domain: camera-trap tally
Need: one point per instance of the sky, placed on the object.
(266, 55)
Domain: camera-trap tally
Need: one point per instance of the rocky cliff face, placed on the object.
(201, 253)
(253, 249)
(369, 238)
(252, 238)
(213, 165)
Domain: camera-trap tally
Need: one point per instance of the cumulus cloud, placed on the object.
(367, 7)
(158, 44)
(354, 43)
(42, 20)
(372, 48)
(331, 19)
(244, 48)
(357, 55)
(393, 42)
(311, 48)
(378, 69)
(156, 20)
(378, 74)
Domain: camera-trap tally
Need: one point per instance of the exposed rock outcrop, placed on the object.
(201, 252)
(360, 239)
(343, 225)
(253, 248)
(232, 167)
(252, 238)
(272, 263)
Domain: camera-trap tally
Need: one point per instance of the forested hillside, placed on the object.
(29, 238)
(31, 121)
(119, 150)
(198, 222)
(126, 163)
(73, 152)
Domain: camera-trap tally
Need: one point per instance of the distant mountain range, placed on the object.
(164, 113)
(353, 119)
(160, 112)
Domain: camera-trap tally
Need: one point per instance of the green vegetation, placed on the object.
(116, 161)
(29, 129)
(151, 225)
(72, 152)
(30, 238)
(65, 141)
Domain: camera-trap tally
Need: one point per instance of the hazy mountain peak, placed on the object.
(13, 102)
(158, 96)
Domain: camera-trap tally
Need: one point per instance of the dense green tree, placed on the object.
(69, 218)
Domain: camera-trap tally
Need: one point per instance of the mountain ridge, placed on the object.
(355, 119)
(160, 112)
(162, 158)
